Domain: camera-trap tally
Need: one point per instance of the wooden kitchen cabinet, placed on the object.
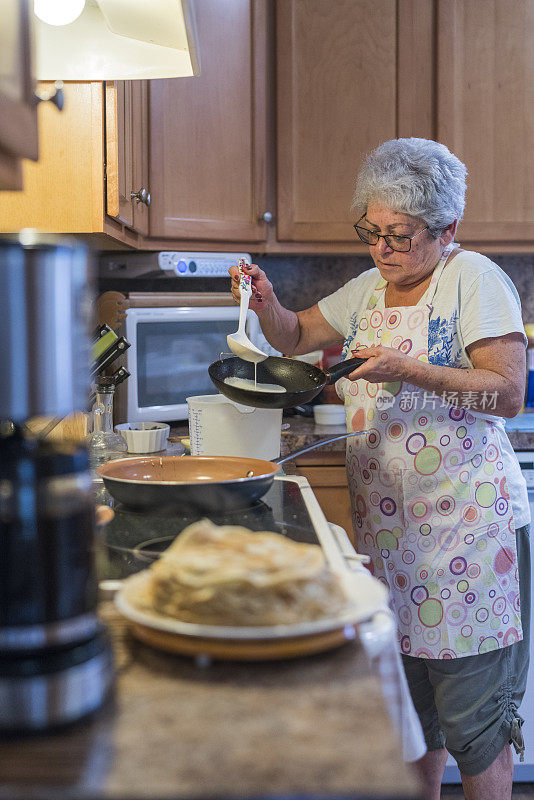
(260, 151)
(341, 71)
(328, 479)
(65, 191)
(208, 133)
(202, 162)
(18, 110)
(353, 74)
(213, 138)
(127, 183)
(344, 73)
(485, 113)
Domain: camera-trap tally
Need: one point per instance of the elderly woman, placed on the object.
(438, 500)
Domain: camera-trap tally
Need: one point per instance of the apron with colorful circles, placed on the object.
(429, 499)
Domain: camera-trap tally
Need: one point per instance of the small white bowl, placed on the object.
(144, 437)
(329, 414)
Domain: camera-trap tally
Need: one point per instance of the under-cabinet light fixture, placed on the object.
(58, 12)
(115, 39)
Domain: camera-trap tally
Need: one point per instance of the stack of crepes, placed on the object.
(229, 575)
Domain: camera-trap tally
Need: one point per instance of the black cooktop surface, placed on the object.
(133, 539)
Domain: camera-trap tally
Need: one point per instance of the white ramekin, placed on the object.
(144, 437)
(329, 414)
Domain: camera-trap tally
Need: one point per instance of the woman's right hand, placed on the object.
(262, 288)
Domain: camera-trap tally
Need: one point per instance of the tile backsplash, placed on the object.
(520, 268)
(300, 281)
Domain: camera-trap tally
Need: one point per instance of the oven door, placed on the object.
(171, 350)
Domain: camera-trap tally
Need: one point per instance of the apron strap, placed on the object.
(438, 269)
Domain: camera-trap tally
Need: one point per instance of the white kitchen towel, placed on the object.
(380, 643)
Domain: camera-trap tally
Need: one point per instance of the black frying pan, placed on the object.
(301, 381)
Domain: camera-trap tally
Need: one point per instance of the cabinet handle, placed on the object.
(54, 95)
(266, 217)
(142, 196)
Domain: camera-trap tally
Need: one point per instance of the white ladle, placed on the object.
(238, 342)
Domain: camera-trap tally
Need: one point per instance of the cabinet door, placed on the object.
(64, 190)
(120, 126)
(140, 157)
(18, 111)
(350, 75)
(207, 133)
(485, 87)
(127, 153)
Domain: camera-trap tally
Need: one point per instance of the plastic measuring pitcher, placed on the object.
(220, 427)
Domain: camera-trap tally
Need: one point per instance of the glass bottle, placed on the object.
(104, 444)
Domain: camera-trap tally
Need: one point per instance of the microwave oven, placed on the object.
(173, 340)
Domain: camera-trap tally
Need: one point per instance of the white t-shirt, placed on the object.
(474, 300)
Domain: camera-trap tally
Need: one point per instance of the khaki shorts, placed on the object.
(470, 705)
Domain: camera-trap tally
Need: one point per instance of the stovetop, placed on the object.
(134, 539)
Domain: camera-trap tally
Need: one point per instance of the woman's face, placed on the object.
(402, 269)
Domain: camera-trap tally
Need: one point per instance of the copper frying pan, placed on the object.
(199, 483)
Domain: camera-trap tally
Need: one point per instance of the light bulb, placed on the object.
(58, 12)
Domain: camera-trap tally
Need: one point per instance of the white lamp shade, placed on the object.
(58, 12)
(119, 40)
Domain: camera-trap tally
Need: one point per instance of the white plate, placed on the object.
(367, 594)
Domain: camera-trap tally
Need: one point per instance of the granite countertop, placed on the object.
(298, 432)
(303, 431)
(314, 726)
(520, 431)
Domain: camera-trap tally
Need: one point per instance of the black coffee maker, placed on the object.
(55, 658)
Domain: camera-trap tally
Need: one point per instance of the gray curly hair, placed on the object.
(419, 177)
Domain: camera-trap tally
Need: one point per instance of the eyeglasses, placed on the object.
(401, 244)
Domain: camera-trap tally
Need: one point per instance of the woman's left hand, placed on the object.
(383, 364)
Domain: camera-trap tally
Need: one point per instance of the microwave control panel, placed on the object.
(200, 265)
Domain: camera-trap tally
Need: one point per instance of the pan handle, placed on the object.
(337, 371)
(314, 445)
